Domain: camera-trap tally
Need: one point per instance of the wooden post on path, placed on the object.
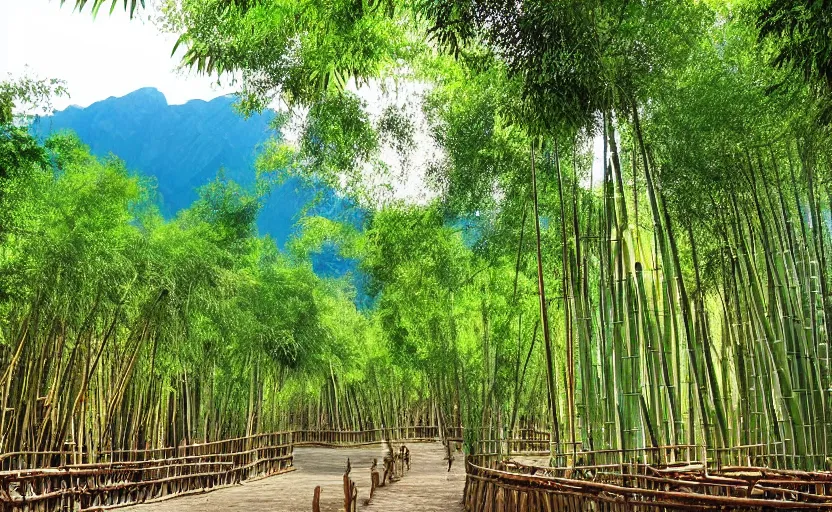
(316, 499)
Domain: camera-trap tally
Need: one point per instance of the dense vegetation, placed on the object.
(677, 293)
(182, 147)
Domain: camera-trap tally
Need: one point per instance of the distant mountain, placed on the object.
(184, 146)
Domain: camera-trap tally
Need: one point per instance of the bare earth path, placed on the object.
(427, 487)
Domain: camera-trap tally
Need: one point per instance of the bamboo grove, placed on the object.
(122, 330)
(627, 242)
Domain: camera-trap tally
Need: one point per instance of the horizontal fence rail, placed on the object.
(363, 437)
(536, 443)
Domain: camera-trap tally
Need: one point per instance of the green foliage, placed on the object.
(680, 291)
(297, 49)
(340, 147)
(396, 129)
(801, 35)
(27, 94)
(338, 135)
(95, 5)
(230, 209)
(22, 159)
(190, 314)
(575, 59)
(483, 156)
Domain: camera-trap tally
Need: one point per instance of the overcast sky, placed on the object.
(108, 56)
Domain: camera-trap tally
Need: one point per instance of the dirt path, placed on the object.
(428, 487)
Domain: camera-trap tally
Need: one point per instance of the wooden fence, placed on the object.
(363, 437)
(535, 443)
(53, 481)
(81, 481)
(680, 486)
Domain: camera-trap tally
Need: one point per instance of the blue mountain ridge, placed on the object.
(184, 146)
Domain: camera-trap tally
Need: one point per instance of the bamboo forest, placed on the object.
(583, 251)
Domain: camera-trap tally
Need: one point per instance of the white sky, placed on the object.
(108, 56)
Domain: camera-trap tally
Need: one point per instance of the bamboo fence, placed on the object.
(51, 481)
(363, 437)
(672, 478)
(74, 480)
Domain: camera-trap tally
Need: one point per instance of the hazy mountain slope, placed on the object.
(183, 147)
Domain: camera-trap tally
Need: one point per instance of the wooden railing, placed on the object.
(663, 478)
(11, 461)
(363, 437)
(73, 480)
(511, 486)
(537, 444)
(499, 449)
(128, 477)
(455, 433)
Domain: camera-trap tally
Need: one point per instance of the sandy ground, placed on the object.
(427, 487)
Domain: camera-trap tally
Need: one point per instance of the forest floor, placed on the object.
(427, 487)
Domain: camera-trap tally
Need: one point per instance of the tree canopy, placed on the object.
(627, 243)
